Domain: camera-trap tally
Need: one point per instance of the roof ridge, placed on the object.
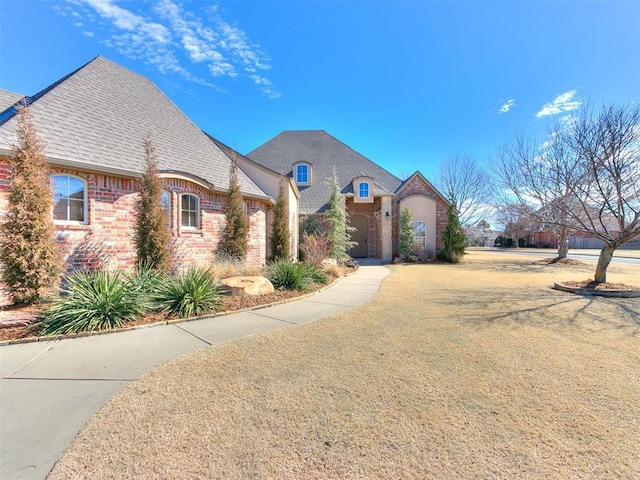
(11, 111)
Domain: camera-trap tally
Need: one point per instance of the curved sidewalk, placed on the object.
(49, 390)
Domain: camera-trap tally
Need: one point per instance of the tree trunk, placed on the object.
(563, 244)
(603, 262)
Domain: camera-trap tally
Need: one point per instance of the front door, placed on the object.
(360, 236)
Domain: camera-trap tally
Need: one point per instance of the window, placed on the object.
(419, 237)
(190, 212)
(302, 174)
(69, 199)
(363, 190)
(165, 203)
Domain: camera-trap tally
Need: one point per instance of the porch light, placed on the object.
(387, 215)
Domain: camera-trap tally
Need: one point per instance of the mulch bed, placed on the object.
(10, 314)
(602, 289)
(590, 284)
(562, 261)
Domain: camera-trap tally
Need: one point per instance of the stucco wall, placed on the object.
(423, 209)
(269, 183)
(417, 186)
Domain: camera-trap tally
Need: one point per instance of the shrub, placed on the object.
(405, 247)
(147, 281)
(234, 237)
(280, 240)
(93, 301)
(195, 292)
(315, 273)
(314, 248)
(312, 224)
(453, 237)
(332, 269)
(285, 275)
(31, 262)
(151, 235)
(338, 229)
(226, 267)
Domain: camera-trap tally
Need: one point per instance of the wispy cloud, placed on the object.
(564, 102)
(508, 105)
(177, 41)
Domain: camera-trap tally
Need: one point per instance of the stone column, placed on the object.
(385, 228)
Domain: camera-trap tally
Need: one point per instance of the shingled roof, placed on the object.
(7, 99)
(98, 116)
(325, 154)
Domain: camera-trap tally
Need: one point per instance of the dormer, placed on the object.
(363, 190)
(302, 173)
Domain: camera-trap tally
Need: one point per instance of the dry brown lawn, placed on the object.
(476, 370)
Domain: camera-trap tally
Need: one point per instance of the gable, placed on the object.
(417, 184)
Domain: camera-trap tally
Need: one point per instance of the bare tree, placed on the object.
(466, 184)
(606, 201)
(541, 178)
(516, 221)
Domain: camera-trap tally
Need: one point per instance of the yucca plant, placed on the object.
(147, 281)
(92, 301)
(193, 293)
(315, 273)
(285, 275)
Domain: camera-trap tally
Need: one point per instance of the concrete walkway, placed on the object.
(49, 390)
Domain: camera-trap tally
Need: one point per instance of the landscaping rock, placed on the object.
(246, 286)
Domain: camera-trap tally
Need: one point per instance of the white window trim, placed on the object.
(85, 200)
(169, 209)
(308, 182)
(424, 238)
(360, 191)
(197, 210)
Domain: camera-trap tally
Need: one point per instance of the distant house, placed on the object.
(373, 196)
(580, 240)
(92, 123)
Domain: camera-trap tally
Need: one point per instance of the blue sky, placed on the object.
(404, 83)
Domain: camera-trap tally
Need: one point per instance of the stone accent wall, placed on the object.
(417, 186)
(106, 241)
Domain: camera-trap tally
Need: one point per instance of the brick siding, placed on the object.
(107, 239)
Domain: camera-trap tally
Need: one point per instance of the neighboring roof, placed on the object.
(325, 154)
(98, 117)
(7, 99)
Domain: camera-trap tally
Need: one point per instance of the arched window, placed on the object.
(302, 173)
(165, 203)
(69, 199)
(190, 211)
(419, 237)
